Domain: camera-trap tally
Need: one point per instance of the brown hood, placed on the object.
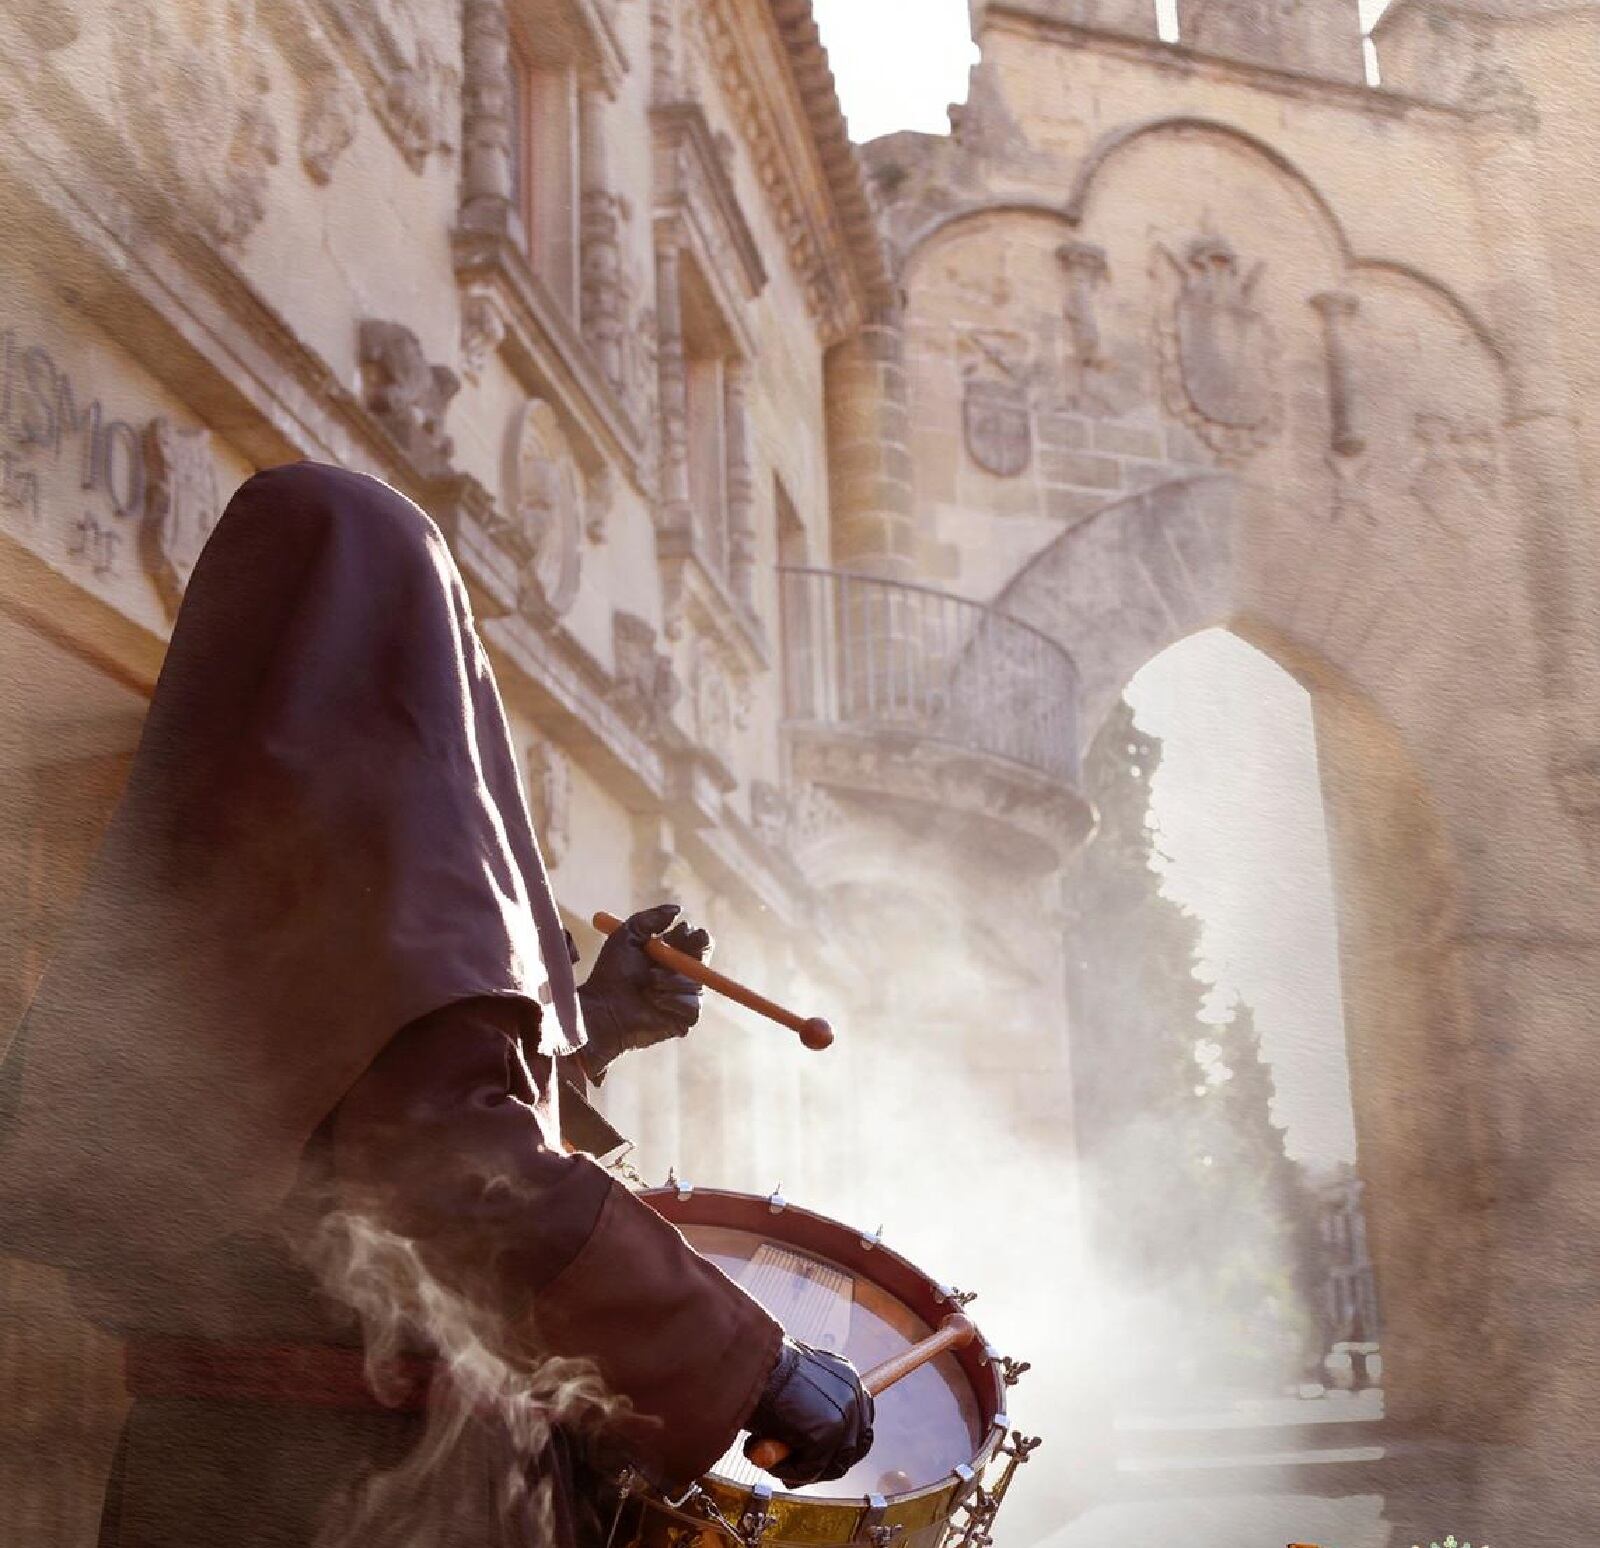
(323, 838)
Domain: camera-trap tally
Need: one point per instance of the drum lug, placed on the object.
(869, 1243)
(681, 1188)
(757, 1517)
(872, 1528)
(776, 1201)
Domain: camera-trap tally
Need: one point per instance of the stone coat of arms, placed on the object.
(1219, 356)
(995, 418)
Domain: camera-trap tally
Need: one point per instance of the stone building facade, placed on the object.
(817, 505)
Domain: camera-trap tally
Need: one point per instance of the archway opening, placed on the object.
(1225, 1208)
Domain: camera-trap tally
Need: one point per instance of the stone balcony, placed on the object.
(947, 710)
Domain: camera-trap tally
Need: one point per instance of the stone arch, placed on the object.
(1405, 798)
(1110, 145)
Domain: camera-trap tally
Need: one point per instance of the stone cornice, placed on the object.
(822, 210)
(693, 183)
(808, 60)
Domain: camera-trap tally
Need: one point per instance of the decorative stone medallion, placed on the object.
(182, 504)
(545, 530)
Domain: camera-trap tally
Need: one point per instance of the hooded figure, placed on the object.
(287, 1105)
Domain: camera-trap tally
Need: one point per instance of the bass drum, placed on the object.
(934, 1433)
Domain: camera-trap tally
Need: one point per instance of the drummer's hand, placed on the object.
(815, 1404)
(630, 1001)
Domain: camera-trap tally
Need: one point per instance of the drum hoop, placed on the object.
(892, 1273)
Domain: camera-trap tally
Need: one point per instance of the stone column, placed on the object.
(1314, 37)
(673, 389)
(739, 481)
(600, 236)
(1336, 307)
(869, 462)
(486, 193)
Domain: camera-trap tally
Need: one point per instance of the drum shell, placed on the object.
(916, 1518)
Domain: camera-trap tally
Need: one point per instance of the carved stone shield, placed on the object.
(994, 416)
(1219, 357)
(181, 504)
(1223, 341)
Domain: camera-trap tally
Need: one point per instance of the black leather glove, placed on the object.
(815, 1404)
(630, 1001)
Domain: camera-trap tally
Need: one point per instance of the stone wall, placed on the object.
(1214, 334)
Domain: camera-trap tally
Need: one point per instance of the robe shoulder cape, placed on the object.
(323, 837)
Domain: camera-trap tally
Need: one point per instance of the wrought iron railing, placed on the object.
(887, 656)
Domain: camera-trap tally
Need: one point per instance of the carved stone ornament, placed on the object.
(645, 688)
(1084, 265)
(182, 504)
(420, 105)
(545, 530)
(995, 417)
(599, 495)
(713, 703)
(192, 91)
(483, 326)
(1219, 356)
(327, 123)
(549, 778)
(769, 813)
(408, 395)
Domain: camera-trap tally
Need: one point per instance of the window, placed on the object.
(544, 169)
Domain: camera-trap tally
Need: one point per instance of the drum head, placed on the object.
(826, 1287)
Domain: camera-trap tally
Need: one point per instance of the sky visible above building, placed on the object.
(892, 75)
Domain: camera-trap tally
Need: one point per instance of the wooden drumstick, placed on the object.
(814, 1032)
(953, 1332)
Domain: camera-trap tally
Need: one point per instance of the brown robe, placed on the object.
(289, 1087)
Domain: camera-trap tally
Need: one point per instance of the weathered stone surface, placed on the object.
(1317, 37)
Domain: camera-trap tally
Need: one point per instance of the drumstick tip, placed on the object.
(816, 1034)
